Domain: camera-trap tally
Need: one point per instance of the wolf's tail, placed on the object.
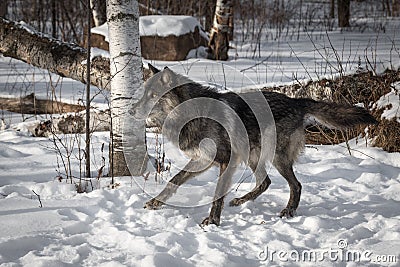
(338, 116)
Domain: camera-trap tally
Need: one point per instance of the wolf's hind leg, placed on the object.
(287, 149)
(223, 185)
(170, 189)
(262, 184)
(286, 170)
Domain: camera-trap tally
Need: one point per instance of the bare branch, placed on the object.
(38, 196)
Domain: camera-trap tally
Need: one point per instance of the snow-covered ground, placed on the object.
(351, 199)
(349, 211)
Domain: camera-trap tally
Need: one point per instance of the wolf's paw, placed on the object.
(153, 204)
(288, 213)
(237, 202)
(210, 220)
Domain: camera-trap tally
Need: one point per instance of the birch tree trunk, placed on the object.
(127, 135)
(219, 36)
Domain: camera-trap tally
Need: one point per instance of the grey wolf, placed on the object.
(164, 94)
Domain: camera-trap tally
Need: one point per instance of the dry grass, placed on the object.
(387, 135)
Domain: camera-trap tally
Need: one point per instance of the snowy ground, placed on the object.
(349, 210)
(351, 199)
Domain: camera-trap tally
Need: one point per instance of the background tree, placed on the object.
(220, 31)
(395, 8)
(343, 13)
(3, 8)
(87, 115)
(126, 87)
(98, 11)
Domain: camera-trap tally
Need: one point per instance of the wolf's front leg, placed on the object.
(215, 213)
(188, 172)
(168, 191)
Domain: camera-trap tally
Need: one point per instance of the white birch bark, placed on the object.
(127, 135)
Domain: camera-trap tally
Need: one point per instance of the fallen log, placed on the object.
(31, 105)
(71, 124)
(65, 118)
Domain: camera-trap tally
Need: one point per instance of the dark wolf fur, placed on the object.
(288, 113)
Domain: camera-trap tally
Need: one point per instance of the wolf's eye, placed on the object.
(154, 95)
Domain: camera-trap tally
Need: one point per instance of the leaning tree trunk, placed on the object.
(65, 59)
(220, 32)
(343, 13)
(127, 135)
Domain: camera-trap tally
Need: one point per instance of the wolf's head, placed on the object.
(159, 97)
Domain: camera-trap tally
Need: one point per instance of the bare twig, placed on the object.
(258, 63)
(38, 196)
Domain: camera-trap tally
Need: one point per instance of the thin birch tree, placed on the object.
(127, 135)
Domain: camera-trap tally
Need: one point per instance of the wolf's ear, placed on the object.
(166, 77)
(153, 69)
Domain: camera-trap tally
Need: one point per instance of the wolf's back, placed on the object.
(336, 115)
